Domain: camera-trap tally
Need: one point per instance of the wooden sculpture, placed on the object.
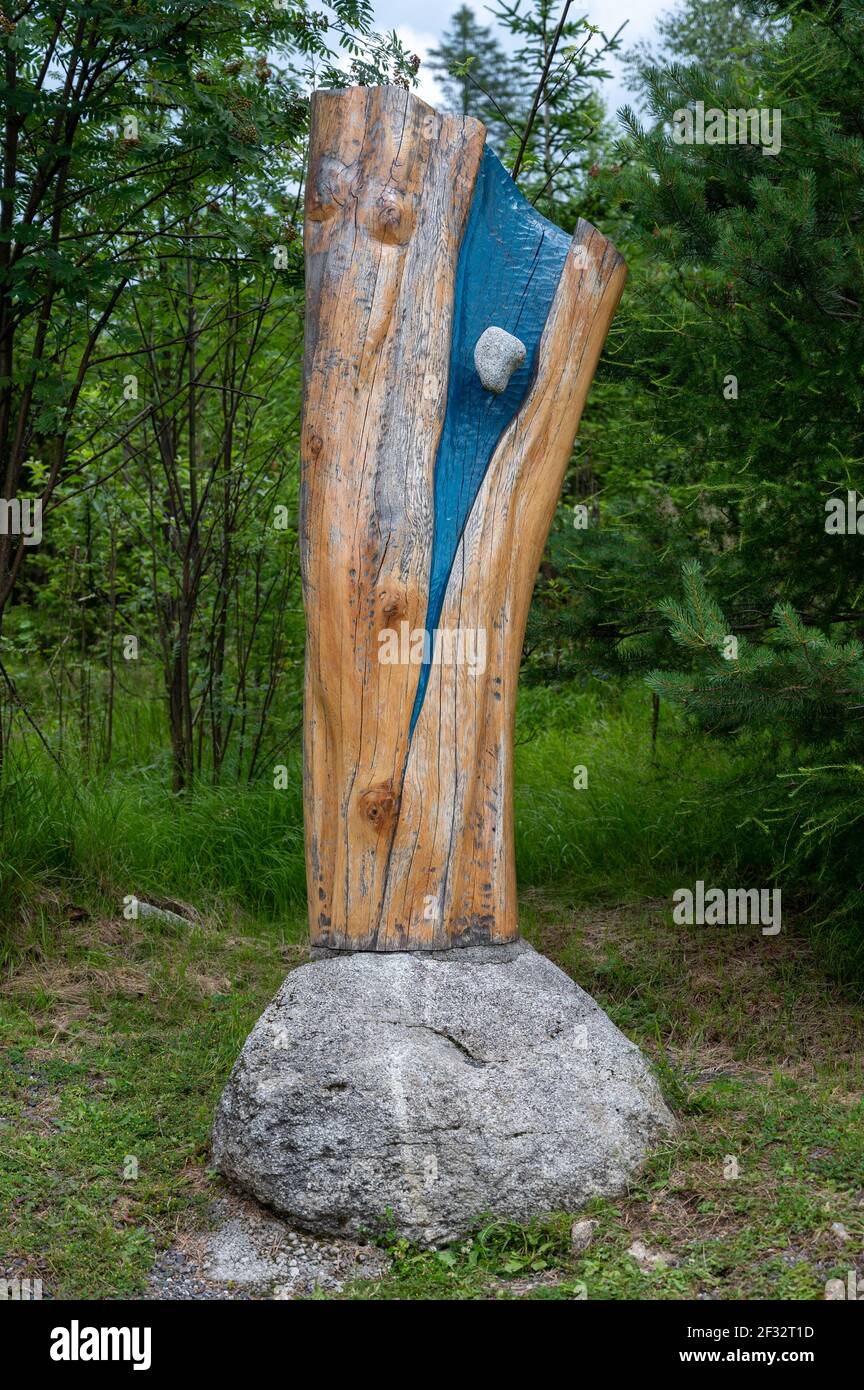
(432, 463)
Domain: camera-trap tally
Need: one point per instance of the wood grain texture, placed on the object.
(409, 835)
(388, 193)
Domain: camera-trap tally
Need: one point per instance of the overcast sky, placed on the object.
(420, 23)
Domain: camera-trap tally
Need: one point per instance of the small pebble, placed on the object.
(647, 1259)
(582, 1234)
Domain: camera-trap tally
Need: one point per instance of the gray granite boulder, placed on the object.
(415, 1092)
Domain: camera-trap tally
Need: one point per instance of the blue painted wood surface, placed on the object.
(510, 262)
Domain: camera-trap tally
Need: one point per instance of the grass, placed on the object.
(116, 1043)
(102, 840)
(114, 1048)
(762, 1061)
(641, 824)
(646, 820)
(116, 1036)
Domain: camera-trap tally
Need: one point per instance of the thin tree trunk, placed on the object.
(112, 631)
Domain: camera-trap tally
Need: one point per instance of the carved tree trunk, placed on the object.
(425, 505)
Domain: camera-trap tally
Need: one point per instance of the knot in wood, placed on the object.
(393, 220)
(378, 805)
(329, 188)
(391, 601)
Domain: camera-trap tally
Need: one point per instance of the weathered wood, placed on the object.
(426, 501)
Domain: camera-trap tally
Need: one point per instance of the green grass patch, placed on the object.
(116, 1036)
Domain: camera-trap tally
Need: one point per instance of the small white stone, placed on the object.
(647, 1259)
(582, 1234)
(496, 357)
(160, 914)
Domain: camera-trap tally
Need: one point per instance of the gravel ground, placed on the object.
(250, 1253)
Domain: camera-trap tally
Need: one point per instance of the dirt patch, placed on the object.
(252, 1253)
(735, 981)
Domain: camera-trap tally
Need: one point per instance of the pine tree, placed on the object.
(727, 428)
(699, 31)
(804, 688)
(730, 410)
(477, 76)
